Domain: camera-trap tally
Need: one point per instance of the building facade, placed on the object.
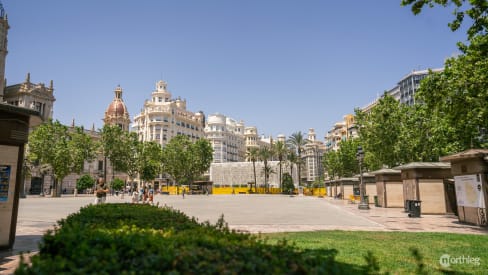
(342, 131)
(313, 154)
(163, 118)
(409, 85)
(226, 136)
(33, 96)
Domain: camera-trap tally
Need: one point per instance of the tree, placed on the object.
(113, 147)
(130, 163)
(343, 162)
(252, 154)
(82, 148)
(457, 96)
(265, 154)
(149, 155)
(200, 158)
(281, 152)
(298, 141)
(117, 184)
(84, 182)
(333, 164)
(287, 183)
(51, 144)
(457, 100)
(379, 132)
(477, 10)
(184, 160)
(292, 159)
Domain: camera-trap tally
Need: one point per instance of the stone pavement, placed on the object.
(249, 213)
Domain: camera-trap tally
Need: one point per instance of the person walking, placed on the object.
(101, 191)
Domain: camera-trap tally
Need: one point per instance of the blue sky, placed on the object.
(282, 66)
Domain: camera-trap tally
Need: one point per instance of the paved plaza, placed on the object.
(249, 213)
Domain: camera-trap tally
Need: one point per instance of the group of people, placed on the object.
(145, 195)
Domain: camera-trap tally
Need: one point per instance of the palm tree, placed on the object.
(265, 154)
(267, 170)
(298, 141)
(252, 154)
(292, 159)
(281, 152)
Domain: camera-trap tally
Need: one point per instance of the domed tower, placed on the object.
(3, 48)
(117, 113)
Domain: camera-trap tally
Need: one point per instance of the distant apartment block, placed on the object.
(163, 118)
(313, 152)
(342, 130)
(226, 136)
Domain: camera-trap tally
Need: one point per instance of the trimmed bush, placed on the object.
(143, 239)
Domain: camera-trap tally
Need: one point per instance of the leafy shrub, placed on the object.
(117, 184)
(143, 239)
(85, 182)
(287, 182)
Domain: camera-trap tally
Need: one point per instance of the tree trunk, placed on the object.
(255, 183)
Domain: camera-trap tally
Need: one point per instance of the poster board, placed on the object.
(8, 171)
(468, 191)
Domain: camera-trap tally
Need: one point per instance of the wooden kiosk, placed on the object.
(470, 170)
(14, 125)
(425, 182)
(389, 187)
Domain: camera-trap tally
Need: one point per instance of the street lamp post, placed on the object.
(360, 156)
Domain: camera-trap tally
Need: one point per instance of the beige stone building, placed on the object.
(342, 130)
(33, 96)
(163, 118)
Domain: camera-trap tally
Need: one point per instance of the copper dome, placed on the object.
(117, 108)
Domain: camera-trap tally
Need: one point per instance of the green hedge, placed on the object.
(143, 239)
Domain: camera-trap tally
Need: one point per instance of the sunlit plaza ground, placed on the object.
(249, 213)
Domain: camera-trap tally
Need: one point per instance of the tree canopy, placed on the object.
(184, 161)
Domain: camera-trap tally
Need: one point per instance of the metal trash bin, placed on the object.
(407, 206)
(376, 202)
(415, 208)
(366, 199)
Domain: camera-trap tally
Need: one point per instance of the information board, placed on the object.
(468, 191)
(4, 182)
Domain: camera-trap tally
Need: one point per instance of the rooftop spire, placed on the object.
(27, 79)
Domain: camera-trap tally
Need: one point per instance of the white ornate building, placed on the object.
(227, 138)
(163, 118)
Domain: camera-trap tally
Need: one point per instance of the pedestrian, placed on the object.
(183, 192)
(135, 197)
(151, 196)
(101, 191)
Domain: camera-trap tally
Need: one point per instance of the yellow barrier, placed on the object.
(174, 190)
